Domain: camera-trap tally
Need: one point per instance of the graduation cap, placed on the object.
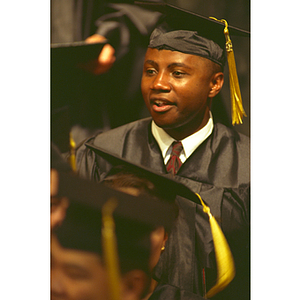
(166, 187)
(169, 189)
(93, 196)
(191, 33)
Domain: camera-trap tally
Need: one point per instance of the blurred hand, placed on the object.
(105, 59)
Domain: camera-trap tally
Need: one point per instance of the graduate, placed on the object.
(183, 72)
(103, 247)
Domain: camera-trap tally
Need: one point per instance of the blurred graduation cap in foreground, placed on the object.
(167, 187)
(191, 33)
(94, 195)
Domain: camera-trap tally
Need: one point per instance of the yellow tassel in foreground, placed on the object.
(224, 259)
(110, 250)
(237, 110)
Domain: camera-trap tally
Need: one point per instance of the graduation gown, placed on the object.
(219, 171)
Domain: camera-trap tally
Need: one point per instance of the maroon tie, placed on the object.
(174, 162)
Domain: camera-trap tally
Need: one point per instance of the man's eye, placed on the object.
(178, 73)
(150, 71)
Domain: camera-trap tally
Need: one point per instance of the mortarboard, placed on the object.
(191, 33)
(178, 18)
(169, 189)
(94, 195)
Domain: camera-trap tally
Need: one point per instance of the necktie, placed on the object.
(174, 162)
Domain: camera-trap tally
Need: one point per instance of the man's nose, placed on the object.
(161, 82)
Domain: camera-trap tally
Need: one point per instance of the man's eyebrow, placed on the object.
(175, 64)
(151, 62)
(179, 65)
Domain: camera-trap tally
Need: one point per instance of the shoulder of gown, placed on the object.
(114, 141)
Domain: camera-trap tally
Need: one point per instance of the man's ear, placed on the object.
(134, 284)
(217, 81)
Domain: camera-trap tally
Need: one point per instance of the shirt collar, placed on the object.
(189, 144)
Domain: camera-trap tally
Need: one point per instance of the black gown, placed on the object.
(219, 171)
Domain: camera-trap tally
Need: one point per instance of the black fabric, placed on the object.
(167, 292)
(219, 171)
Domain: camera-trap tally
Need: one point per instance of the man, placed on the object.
(83, 259)
(183, 71)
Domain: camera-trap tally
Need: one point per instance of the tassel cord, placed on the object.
(224, 259)
(237, 110)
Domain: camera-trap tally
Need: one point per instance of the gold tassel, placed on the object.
(237, 110)
(72, 158)
(110, 250)
(224, 259)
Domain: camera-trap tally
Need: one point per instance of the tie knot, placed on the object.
(176, 148)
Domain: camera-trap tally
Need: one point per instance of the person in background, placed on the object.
(91, 99)
(80, 263)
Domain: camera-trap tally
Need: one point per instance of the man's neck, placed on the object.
(189, 143)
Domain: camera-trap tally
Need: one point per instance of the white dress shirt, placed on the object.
(189, 144)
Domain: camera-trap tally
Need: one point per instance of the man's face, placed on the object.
(76, 275)
(176, 88)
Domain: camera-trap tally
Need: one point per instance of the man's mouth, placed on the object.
(161, 105)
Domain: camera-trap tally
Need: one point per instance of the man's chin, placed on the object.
(164, 125)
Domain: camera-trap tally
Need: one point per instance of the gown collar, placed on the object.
(189, 143)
